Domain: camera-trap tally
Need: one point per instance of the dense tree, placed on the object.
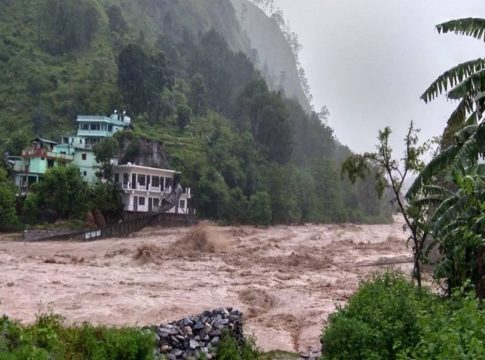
(263, 114)
(104, 152)
(184, 114)
(117, 22)
(106, 197)
(69, 25)
(260, 209)
(213, 199)
(8, 215)
(225, 73)
(63, 191)
(142, 78)
(198, 95)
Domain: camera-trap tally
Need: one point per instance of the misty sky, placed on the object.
(369, 61)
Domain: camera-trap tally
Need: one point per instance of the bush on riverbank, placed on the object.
(47, 338)
(231, 349)
(389, 318)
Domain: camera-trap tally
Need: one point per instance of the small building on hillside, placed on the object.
(36, 160)
(149, 189)
(90, 131)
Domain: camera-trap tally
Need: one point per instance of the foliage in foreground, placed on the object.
(231, 349)
(389, 318)
(49, 339)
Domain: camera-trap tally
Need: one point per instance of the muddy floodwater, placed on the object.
(286, 279)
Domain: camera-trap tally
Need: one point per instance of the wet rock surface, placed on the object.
(197, 336)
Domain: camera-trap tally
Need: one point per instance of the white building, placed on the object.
(148, 189)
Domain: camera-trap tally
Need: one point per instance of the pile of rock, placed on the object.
(194, 336)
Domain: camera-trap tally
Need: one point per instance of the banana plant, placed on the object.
(464, 83)
(458, 230)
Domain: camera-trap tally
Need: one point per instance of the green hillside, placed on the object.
(181, 70)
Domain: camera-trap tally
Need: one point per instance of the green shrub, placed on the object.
(379, 322)
(452, 329)
(388, 318)
(231, 349)
(49, 339)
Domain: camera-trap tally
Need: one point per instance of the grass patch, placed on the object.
(48, 338)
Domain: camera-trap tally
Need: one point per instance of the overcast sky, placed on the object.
(368, 61)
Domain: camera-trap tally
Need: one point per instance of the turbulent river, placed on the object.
(286, 279)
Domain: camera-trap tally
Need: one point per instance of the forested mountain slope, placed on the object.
(182, 71)
(275, 58)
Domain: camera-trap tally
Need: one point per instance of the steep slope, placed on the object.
(275, 58)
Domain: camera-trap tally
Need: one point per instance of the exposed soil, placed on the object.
(286, 279)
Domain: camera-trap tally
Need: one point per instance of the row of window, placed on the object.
(96, 127)
(144, 180)
(155, 202)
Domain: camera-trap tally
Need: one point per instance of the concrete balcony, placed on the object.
(155, 188)
(94, 133)
(59, 156)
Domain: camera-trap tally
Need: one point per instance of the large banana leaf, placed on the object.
(471, 86)
(452, 77)
(464, 134)
(439, 163)
(474, 27)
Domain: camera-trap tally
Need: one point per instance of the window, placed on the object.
(42, 158)
(50, 163)
(141, 179)
(155, 181)
(156, 202)
(126, 178)
(84, 156)
(117, 178)
(141, 201)
(84, 126)
(182, 204)
(85, 173)
(110, 128)
(162, 182)
(168, 182)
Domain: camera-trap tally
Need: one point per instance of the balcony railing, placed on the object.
(36, 153)
(102, 133)
(158, 189)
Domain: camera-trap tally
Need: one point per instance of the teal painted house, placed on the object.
(90, 131)
(78, 149)
(35, 161)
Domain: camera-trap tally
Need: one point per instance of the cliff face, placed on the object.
(274, 56)
(143, 152)
(173, 17)
(245, 27)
